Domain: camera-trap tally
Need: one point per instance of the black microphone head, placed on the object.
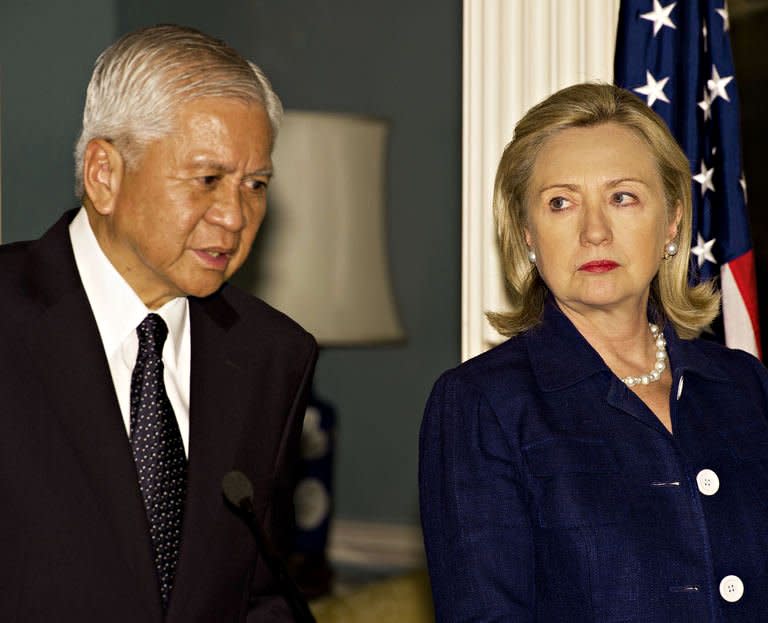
(237, 488)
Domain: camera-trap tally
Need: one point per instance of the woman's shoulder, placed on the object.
(720, 352)
(731, 364)
(480, 401)
(501, 368)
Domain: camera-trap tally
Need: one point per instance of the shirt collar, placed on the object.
(560, 356)
(116, 307)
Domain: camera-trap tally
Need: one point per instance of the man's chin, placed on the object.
(201, 290)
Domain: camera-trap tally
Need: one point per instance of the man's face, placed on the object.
(184, 219)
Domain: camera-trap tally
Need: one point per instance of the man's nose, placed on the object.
(227, 210)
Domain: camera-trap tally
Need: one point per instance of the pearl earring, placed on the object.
(532, 256)
(670, 250)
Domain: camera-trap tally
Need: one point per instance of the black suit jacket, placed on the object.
(74, 539)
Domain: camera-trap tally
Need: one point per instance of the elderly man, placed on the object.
(132, 377)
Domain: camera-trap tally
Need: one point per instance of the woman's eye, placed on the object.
(209, 180)
(623, 198)
(559, 203)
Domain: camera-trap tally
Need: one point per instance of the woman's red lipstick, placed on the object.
(599, 266)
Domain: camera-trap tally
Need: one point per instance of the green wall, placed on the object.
(399, 60)
(47, 50)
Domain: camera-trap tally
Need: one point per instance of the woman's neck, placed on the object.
(621, 336)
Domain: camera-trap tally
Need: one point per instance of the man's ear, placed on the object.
(103, 171)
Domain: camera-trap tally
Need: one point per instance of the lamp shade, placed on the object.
(321, 257)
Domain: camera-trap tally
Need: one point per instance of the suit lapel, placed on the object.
(219, 391)
(65, 341)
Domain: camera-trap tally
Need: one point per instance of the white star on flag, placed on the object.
(743, 184)
(716, 85)
(726, 20)
(660, 16)
(704, 33)
(705, 178)
(706, 106)
(653, 89)
(703, 250)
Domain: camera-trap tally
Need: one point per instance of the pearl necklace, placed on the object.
(658, 367)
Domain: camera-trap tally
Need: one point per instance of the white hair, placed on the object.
(139, 82)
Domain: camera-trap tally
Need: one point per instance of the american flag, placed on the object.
(677, 56)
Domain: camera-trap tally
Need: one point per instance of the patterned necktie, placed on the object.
(158, 451)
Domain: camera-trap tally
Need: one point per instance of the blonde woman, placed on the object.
(603, 464)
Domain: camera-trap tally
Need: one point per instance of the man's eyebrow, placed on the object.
(268, 172)
(218, 167)
(211, 165)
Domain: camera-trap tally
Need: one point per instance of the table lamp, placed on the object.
(321, 258)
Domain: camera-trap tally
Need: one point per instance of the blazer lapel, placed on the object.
(65, 341)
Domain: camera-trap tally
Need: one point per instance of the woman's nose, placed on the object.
(595, 225)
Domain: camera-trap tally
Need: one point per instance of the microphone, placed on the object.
(238, 491)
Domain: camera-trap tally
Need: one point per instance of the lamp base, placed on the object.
(313, 500)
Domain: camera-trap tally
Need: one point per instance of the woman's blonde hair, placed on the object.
(689, 308)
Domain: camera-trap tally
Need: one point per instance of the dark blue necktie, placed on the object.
(158, 451)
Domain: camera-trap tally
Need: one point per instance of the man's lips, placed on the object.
(598, 266)
(214, 258)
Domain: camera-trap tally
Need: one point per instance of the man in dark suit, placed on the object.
(132, 376)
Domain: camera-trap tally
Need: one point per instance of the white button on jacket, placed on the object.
(708, 482)
(731, 588)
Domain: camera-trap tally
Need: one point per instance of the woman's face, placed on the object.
(597, 218)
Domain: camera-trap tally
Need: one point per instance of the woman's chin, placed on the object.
(604, 299)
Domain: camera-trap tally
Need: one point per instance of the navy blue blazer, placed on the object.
(550, 492)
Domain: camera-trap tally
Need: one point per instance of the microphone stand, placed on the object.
(238, 491)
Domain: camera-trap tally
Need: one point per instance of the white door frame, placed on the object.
(516, 52)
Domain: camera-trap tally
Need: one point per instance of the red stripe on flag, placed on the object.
(743, 270)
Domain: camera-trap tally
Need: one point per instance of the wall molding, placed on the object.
(376, 545)
(516, 52)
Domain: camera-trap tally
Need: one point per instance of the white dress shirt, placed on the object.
(118, 311)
